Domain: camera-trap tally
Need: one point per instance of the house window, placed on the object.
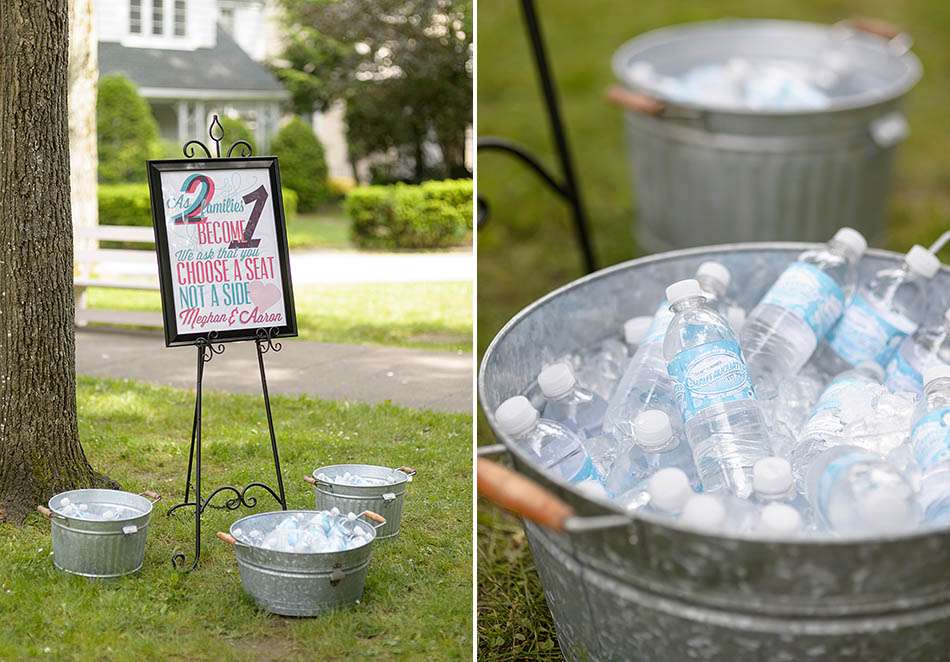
(135, 16)
(158, 17)
(179, 18)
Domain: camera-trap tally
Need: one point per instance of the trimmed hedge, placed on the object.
(129, 204)
(234, 130)
(303, 166)
(434, 214)
(126, 131)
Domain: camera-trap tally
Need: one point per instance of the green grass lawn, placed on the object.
(527, 248)
(417, 602)
(427, 315)
(327, 228)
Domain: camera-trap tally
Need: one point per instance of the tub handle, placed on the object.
(154, 497)
(635, 101)
(409, 471)
(310, 479)
(45, 512)
(525, 498)
(226, 537)
(490, 450)
(336, 576)
(899, 40)
(374, 517)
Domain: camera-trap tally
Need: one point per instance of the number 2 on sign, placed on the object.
(194, 213)
(258, 196)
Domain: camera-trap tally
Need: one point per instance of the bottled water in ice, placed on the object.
(930, 440)
(669, 489)
(719, 513)
(553, 446)
(569, 404)
(714, 278)
(779, 520)
(646, 383)
(657, 447)
(852, 490)
(773, 482)
(881, 314)
(601, 368)
(802, 306)
(925, 347)
(714, 392)
(825, 426)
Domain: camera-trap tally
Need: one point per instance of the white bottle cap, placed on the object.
(704, 511)
(516, 415)
(683, 289)
(635, 329)
(934, 372)
(652, 429)
(780, 519)
(887, 509)
(922, 262)
(853, 239)
(716, 271)
(772, 475)
(872, 366)
(556, 380)
(669, 489)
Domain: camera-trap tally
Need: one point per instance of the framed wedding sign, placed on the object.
(221, 241)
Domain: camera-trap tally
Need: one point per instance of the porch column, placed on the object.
(201, 122)
(181, 110)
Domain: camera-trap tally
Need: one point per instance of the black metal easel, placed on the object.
(568, 188)
(207, 348)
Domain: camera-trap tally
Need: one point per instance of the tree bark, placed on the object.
(83, 154)
(40, 453)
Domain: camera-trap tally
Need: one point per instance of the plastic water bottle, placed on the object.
(602, 369)
(801, 307)
(569, 404)
(930, 440)
(552, 445)
(881, 315)
(714, 392)
(669, 489)
(925, 347)
(645, 383)
(853, 490)
(773, 482)
(714, 278)
(825, 425)
(779, 520)
(657, 447)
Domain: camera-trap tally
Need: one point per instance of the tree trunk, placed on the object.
(40, 453)
(83, 161)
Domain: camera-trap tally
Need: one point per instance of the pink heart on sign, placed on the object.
(264, 296)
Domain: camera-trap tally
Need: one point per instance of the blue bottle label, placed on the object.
(810, 294)
(930, 437)
(709, 374)
(902, 376)
(866, 333)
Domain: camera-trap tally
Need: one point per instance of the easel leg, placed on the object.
(194, 454)
(270, 426)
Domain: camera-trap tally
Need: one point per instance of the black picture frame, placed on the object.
(159, 221)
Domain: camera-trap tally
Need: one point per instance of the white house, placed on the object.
(193, 58)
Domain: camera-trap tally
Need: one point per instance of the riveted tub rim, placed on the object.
(403, 477)
(298, 555)
(145, 510)
(851, 543)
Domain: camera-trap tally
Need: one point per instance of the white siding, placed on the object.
(330, 128)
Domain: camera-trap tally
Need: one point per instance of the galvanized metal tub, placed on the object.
(300, 584)
(385, 499)
(100, 549)
(634, 587)
(704, 175)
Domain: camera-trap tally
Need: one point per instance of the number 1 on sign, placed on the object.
(258, 196)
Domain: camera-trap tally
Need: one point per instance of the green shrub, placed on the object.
(431, 215)
(127, 131)
(234, 130)
(302, 164)
(128, 204)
